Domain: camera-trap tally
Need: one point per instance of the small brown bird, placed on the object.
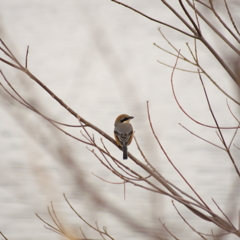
(123, 132)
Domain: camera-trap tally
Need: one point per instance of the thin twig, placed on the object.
(3, 236)
(143, 155)
(224, 214)
(235, 133)
(201, 137)
(71, 111)
(214, 29)
(222, 22)
(213, 235)
(180, 69)
(48, 224)
(154, 20)
(190, 18)
(27, 104)
(204, 4)
(167, 154)
(195, 63)
(106, 180)
(179, 16)
(10, 64)
(183, 201)
(193, 229)
(219, 130)
(26, 58)
(231, 18)
(55, 217)
(91, 226)
(164, 226)
(182, 109)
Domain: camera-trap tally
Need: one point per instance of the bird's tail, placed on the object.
(125, 152)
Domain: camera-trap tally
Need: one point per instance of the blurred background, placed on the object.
(100, 59)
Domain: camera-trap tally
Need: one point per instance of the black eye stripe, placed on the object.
(124, 119)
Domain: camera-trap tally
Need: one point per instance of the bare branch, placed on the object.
(190, 18)
(219, 130)
(155, 20)
(3, 236)
(231, 18)
(26, 58)
(213, 28)
(193, 229)
(222, 22)
(224, 214)
(201, 137)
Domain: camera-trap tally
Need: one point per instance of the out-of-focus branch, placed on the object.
(3, 236)
(58, 227)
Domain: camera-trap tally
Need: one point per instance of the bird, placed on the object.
(123, 132)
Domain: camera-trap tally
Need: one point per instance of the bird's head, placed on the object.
(123, 118)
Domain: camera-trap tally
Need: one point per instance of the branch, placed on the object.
(157, 21)
(219, 130)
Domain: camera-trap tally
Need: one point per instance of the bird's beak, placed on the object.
(131, 117)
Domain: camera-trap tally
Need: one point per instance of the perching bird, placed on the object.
(123, 132)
